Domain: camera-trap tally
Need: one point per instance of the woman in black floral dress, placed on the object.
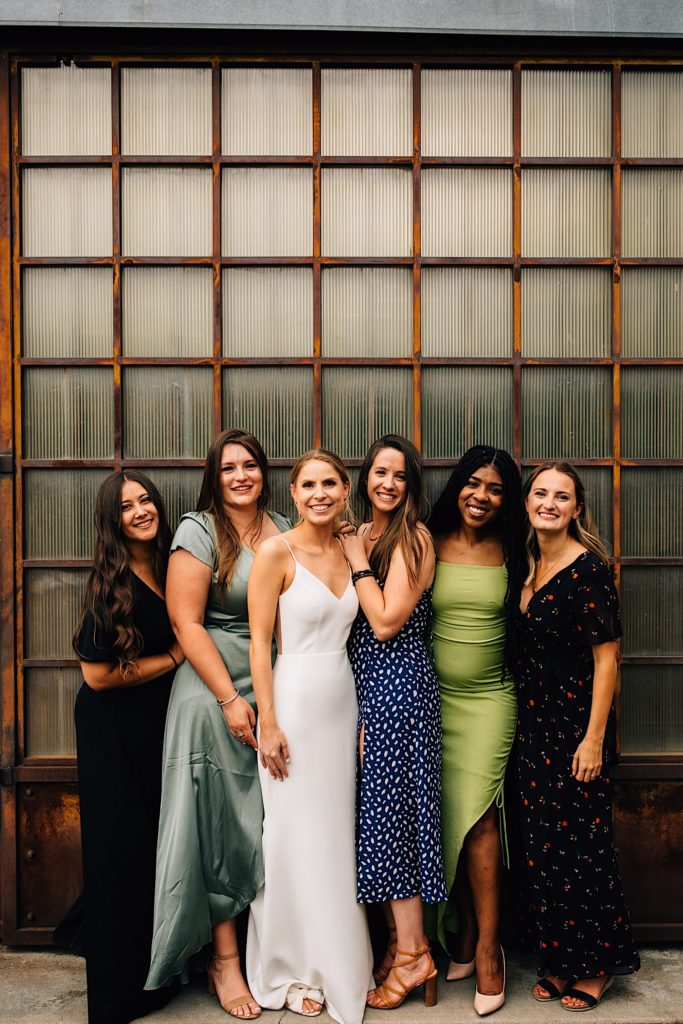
(568, 628)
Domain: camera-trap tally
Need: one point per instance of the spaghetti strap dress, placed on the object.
(573, 903)
(308, 938)
(209, 864)
(478, 707)
(399, 831)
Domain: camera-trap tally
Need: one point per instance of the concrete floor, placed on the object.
(49, 988)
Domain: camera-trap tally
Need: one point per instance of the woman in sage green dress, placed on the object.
(209, 864)
(478, 534)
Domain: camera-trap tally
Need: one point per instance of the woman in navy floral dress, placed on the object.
(399, 836)
(568, 628)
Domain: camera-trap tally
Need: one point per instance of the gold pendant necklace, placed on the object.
(536, 579)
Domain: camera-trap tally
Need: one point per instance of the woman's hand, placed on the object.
(345, 529)
(274, 751)
(354, 550)
(240, 718)
(587, 760)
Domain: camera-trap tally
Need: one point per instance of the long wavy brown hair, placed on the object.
(109, 594)
(403, 528)
(211, 499)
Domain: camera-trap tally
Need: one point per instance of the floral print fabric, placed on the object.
(573, 903)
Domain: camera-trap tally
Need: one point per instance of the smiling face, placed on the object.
(241, 479)
(480, 500)
(551, 503)
(387, 480)
(139, 515)
(319, 492)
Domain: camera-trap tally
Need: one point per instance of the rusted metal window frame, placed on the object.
(659, 765)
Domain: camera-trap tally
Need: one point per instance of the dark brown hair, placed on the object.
(211, 499)
(404, 523)
(109, 592)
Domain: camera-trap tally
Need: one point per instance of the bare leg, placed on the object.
(592, 986)
(226, 975)
(462, 946)
(410, 937)
(483, 858)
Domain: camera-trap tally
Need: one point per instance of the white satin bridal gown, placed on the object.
(307, 935)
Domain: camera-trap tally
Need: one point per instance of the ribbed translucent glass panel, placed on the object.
(167, 311)
(179, 489)
(651, 601)
(566, 113)
(167, 412)
(366, 211)
(53, 599)
(366, 112)
(651, 520)
(566, 312)
(280, 496)
(652, 219)
(50, 697)
(466, 211)
(58, 512)
(67, 312)
(267, 311)
(651, 412)
(651, 104)
(273, 402)
(267, 211)
(566, 412)
(367, 311)
(651, 719)
(466, 311)
(66, 211)
(267, 111)
(65, 111)
(466, 113)
(566, 212)
(68, 413)
(362, 403)
(166, 111)
(465, 405)
(434, 480)
(166, 211)
(652, 312)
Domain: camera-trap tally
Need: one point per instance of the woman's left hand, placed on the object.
(354, 550)
(587, 761)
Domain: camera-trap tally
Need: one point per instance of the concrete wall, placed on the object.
(469, 17)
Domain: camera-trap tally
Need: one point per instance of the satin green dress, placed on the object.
(478, 707)
(209, 863)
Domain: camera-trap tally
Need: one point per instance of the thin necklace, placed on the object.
(536, 579)
(373, 539)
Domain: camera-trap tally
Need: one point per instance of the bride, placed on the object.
(308, 940)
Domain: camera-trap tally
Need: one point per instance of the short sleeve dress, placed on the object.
(119, 735)
(573, 902)
(209, 861)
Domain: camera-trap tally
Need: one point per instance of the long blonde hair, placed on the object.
(323, 455)
(583, 528)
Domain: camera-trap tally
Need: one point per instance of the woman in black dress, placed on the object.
(568, 628)
(128, 656)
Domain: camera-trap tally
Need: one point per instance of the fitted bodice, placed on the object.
(312, 619)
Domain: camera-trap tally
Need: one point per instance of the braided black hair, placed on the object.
(445, 518)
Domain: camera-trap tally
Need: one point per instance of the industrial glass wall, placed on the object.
(324, 253)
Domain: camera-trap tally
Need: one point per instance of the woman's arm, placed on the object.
(267, 580)
(587, 761)
(101, 675)
(388, 610)
(187, 592)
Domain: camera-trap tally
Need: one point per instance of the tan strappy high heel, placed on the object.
(382, 972)
(232, 1004)
(386, 997)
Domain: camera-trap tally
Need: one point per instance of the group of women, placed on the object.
(324, 748)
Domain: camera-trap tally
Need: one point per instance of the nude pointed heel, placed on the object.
(489, 1004)
(458, 972)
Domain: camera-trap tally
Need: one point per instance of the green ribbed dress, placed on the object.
(478, 711)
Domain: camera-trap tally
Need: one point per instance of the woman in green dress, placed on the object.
(209, 864)
(477, 525)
